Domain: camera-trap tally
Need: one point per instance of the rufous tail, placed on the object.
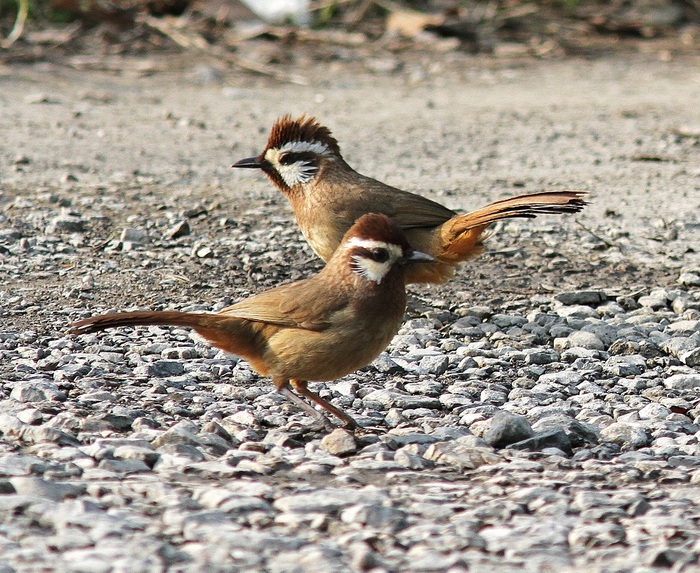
(234, 335)
(462, 236)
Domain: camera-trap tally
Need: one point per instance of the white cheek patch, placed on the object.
(299, 172)
(371, 270)
(374, 271)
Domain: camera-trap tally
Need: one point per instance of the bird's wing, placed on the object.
(408, 209)
(296, 305)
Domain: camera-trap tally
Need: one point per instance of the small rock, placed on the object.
(160, 369)
(630, 365)
(555, 439)
(36, 391)
(579, 433)
(584, 297)
(461, 456)
(689, 279)
(66, 223)
(30, 416)
(434, 364)
(339, 442)
(34, 486)
(411, 461)
(656, 300)
(654, 411)
(625, 435)
(375, 516)
(585, 340)
(179, 229)
(682, 381)
(683, 327)
(507, 428)
(133, 235)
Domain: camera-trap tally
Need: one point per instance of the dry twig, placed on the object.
(196, 42)
(18, 28)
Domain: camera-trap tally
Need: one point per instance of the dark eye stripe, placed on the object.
(377, 254)
(292, 157)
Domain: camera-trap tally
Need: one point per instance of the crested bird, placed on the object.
(303, 160)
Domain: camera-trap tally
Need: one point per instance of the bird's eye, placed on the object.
(379, 255)
(287, 159)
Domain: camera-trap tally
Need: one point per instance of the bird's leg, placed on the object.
(300, 386)
(286, 391)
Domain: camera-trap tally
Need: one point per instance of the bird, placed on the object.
(316, 329)
(303, 160)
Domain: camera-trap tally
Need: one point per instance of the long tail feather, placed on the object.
(528, 206)
(231, 334)
(462, 236)
(141, 318)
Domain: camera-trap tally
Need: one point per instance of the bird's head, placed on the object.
(377, 247)
(295, 152)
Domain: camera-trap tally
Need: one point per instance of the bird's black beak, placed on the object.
(249, 163)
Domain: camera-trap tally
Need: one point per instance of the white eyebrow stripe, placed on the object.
(368, 243)
(305, 146)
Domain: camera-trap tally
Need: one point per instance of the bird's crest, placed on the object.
(303, 129)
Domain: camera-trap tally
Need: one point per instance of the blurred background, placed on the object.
(276, 37)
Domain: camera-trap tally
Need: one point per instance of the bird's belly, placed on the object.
(330, 354)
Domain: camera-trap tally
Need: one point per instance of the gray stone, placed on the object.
(683, 328)
(436, 365)
(55, 491)
(654, 411)
(595, 535)
(319, 557)
(124, 466)
(579, 433)
(556, 439)
(36, 391)
(461, 456)
(325, 500)
(30, 416)
(179, 229)
(66, 223)
(396, 399)
(679, 345)
(541, 356)
(339, 442)
(411, 460)
(689, 279)
(630, 365)
(507, 428)
(505, 321)
(656, 299)
(625, 435)
(177, 436)
(133, 235)
(375, 516)
(160, 369)
(682, 381)
(691, 358)
(585, 340)
(583, 297)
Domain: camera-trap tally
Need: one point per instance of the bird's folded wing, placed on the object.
(296, 305)
(414, 211)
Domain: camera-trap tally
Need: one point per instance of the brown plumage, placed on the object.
(303, 160)
(317, 329)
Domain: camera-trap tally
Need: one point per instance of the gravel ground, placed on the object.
(538, 413)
